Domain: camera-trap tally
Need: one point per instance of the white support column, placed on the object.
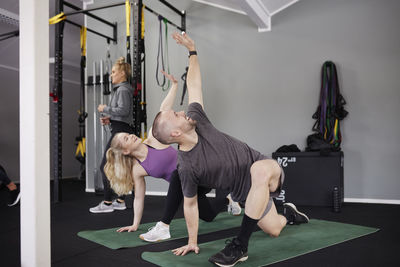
(34, 133)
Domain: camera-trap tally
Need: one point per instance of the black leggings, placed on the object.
(207, 210)
(3, 176)
(116, 127)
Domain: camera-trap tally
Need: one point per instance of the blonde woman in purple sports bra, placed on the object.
(129, 160)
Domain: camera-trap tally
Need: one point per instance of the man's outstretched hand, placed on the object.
(184, 39)
(182, 251)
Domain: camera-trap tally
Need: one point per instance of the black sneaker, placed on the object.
(13, 197)
(230, 255)
(292, 215)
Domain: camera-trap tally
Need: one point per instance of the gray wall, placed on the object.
(263, 87)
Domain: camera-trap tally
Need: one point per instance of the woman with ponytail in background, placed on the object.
(119, 116)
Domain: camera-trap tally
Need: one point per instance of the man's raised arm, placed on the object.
(193, 78)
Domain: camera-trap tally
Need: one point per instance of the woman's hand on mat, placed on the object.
(131, 228)
(182, 251)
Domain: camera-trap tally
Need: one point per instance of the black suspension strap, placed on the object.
(166, 53)
(164, 56)
(183, 77)
(106, 77)
(143, 103)
(160, 53)
(128, 34)
(80, 153)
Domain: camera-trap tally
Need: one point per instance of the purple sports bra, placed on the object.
(160, 163)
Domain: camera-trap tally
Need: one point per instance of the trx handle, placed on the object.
(142, 32)
(83, 41)
(57, 18)
(80, 152)
(127, 17)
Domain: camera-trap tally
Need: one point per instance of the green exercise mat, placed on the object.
(114, 240)
(294, 241)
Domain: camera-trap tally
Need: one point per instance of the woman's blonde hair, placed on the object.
(118, 169)
(121, 65)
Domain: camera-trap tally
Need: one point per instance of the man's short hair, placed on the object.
(160, 130)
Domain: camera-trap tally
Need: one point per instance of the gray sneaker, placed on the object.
(234, 208)
(118, 206)
(102, 208)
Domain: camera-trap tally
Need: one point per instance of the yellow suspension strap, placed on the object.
(57, 18)
(128, 31)
(143, 103)
(83, 41)
(142, 33)
(80, 152)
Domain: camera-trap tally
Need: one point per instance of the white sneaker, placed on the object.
(102, 208)
(118, 206)
(234, 208)
(156, 233)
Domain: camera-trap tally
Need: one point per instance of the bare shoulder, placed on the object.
(138, 170)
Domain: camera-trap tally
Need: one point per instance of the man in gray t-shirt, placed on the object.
(218, 160)
(210, 158)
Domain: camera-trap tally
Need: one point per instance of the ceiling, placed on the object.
(259, 11)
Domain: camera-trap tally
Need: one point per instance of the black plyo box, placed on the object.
(310, 177)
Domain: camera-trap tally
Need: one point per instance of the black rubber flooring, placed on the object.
(72, 215)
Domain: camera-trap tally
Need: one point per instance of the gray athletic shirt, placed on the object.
(216, 161)
(120, 107)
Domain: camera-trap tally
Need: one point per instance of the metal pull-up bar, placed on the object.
(92, 31)
(171, 7)
(86, 12)
(180, 13)
(9, 35)
(168, 21)
(92, 9)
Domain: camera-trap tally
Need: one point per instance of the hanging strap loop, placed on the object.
(166, 54)
(160, 53)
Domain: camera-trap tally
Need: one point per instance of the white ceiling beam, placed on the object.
(225, 5)
(276, 6)
(257, 12)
